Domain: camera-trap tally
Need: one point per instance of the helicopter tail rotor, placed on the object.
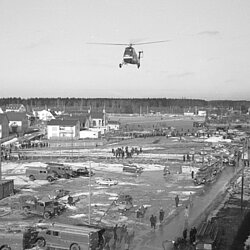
(140, 54)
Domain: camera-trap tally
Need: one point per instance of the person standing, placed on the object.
(194, 234)
(177, 200)
(115, 233)
(186, 215)
(190, 200)
(161, 215)
(153, 222)
(184, 234)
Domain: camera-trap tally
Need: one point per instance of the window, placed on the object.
(48, 232)
(54, 128)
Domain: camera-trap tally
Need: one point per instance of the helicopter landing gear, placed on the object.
(120, 65)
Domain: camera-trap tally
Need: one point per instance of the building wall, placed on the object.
(52, 131)
(113, 126)
(102, 130)
(97, 123)
(84, 134)
(202, 113)
(189, 113)
(45, 115)
(4, 129)
(19, 126)
(66, 132)
(22, 126)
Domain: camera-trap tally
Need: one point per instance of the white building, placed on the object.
(188, 113)
(43, 115)
(15, 108)
(88, 134)
(202, 113)
(63, 129)
(113, 125)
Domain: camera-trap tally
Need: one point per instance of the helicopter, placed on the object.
(130, 56)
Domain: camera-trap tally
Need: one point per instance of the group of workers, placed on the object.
(125, 152)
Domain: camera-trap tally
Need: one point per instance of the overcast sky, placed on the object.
(44, 50)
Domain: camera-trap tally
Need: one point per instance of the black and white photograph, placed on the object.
(124, 124)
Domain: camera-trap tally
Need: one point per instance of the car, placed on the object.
(124, 202)
(106, 181)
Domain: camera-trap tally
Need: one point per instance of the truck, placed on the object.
(39, 173)
(46, 209)
(18, 238)
(6, 188)
(207, 235)
(59, 236)
(60, 170)
(132, 169)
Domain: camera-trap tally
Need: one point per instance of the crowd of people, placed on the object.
(118, 236)
(32, 144)
(126, 152)
(11, 150)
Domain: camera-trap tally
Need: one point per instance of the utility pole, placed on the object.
(0, 162)
(72, 144)
(242, 177)
(89, 193)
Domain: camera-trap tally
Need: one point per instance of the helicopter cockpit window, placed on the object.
(128, 51)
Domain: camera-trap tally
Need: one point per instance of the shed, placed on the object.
(6, 188)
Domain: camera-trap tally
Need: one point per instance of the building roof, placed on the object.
(60, 122)
(114, 122)
(97, 115)
(80, 118)
(16, 116)
(14, 106)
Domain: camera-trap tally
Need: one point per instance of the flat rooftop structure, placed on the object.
(83, 229)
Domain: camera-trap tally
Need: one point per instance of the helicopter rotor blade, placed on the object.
(162, 41)
(123, 44)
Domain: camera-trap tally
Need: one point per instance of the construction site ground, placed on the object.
(150, 188)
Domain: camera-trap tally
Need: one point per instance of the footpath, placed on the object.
(203, 206)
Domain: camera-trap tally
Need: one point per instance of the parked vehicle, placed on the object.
(6, 188)
(40, 173)
(207, 236)
(132, 169)
(60, 170)
(17, 239)
(124, 202)
(47, 209)
(61, 193)
(70, 237)
(107, 181)
(83, 172)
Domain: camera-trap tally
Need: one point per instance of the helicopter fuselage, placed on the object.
(130, 57)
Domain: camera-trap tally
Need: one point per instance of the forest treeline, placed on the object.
(124, 105)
